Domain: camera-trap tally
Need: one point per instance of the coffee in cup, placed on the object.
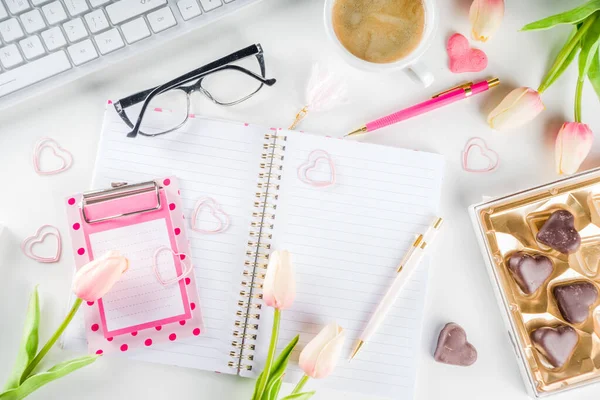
(379, 31)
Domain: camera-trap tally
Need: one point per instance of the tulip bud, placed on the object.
(96, 278)
(486, 17)
(518, 107)
(279, 286)
(573, 144)
(319, 357)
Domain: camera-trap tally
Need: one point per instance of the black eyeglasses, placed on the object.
(223, 81)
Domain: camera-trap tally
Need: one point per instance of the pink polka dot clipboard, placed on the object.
(156, 300)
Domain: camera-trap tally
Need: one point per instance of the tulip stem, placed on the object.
(300, 384)
(264, 378)
(564, 53)
(34, 363)
(578, 94)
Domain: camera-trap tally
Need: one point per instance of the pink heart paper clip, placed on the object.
(492, 157)
(215, 209)
(311, 163)
(185, 272)
(65, 156)
(29, 242)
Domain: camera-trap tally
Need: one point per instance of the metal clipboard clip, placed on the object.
(119, 190)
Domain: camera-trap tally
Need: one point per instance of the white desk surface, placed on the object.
(293, 37)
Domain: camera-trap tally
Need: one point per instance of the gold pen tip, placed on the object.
(358, 131)
(359, 345)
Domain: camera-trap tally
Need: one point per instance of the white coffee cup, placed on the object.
(410, 62)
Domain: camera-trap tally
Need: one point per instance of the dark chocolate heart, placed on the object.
(575, 299)
(529, 271)
(559, 232)
(453, 348)
(556, 344)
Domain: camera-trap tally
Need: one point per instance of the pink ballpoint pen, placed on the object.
(439, 100)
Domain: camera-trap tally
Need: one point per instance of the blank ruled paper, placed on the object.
(211, 158)
(346, 241)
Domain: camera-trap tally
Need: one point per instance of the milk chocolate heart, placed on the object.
(559, 232)
(529, 271)
(574, 300)
(453, 348)
(556, 344)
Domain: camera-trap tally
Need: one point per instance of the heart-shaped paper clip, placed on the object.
(492, 157)
(39, 237)
(65, 156)
(217, 212)
(311, 163)
(187, 268)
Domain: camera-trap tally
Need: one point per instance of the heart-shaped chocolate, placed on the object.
(453, 348)
(529, 271)
(555, 343)
(559, 232)
(575, 299)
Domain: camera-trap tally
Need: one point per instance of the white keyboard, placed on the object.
(47, 43)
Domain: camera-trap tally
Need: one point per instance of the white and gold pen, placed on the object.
(407, 266)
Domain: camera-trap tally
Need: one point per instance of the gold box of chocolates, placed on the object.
(542, 248)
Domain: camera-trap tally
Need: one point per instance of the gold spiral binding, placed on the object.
(249, 306)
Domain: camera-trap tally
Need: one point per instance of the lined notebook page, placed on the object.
(211, 158)
(346, 241)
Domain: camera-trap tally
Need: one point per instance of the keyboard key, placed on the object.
(127, 9)
(135, 30)
(17, 6)
(189, 9)
(33, 21)
(54, 12)
(54, 38)
(11, 30)
(33, 72)
(39, 2)
(96, 21)
(161, 19)
(75, 29)
(3, 13)
(32, 47)
(98, 3)
(109, 41)
(210, 4)
(82, 52)
(76, 7)
(10, 56)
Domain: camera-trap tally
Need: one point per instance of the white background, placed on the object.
(293, 37)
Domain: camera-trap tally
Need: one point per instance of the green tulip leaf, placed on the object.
(573, 16)
(561, 65)
(594, 73)
(589, 48)
(29, 342)
(34, 382)
(278, 370)
(297, 396)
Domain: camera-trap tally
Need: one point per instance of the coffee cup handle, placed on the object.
(421, 73)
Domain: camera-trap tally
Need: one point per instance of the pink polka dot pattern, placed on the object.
(167, 182)
(71, 201)
(177, 231)
(99, 352)
(90, 303)
(182, 323)
(172, 206)
(158, 328)
(76, 226)
(81, 251)
(193, 306)
(196, 331)
(148, 342)
(110, 339)
(95, 327)
(134, 333)
(124, 347)
(172, 337)
(188, 281)
(182, 256)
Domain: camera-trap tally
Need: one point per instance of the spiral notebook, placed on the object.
(347, 226)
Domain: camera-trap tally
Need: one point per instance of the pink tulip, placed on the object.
(486, 17)
(573, 144)
(279, 286)
(319, 357)
(96, 278)
(518, 107)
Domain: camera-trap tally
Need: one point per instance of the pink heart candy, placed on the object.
(462, 57)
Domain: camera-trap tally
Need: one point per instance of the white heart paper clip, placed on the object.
(29, 242)
(492, 157)
(314, 158)
(65, 156)
(187, 268)
(215, 209)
